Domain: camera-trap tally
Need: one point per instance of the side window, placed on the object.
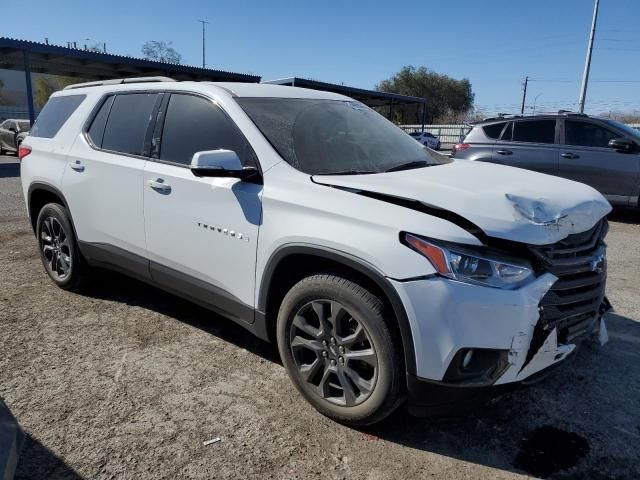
(193, 124)
(54, 115)
(96, 131)
(128, 121)
(493, 131)
(507, 135)
(585, 134)
(535, 131)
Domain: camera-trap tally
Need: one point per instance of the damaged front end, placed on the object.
(547, 320)
(571, 307)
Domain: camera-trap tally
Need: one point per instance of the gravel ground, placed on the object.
(125, 381)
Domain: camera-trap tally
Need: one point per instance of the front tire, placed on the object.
(58, 247)
(336, 343)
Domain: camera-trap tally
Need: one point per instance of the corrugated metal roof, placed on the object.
(80, 62)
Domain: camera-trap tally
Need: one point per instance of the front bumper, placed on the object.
(446, 316)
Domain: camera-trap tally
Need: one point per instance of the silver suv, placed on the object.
(382, 269)
(602, 153)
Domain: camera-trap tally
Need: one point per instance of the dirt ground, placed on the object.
(125, 381)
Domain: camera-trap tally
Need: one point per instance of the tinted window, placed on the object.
(587, 134)
(335, 136)
(96, 131)
(508, 133)
(193, 124)
(128, 122)
(536, 131)
(493, 131)
(54, 115)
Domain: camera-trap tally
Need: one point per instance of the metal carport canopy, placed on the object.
(372, 98)
(85, 64)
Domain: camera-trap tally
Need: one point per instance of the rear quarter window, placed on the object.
(55, 114)
(494, 130)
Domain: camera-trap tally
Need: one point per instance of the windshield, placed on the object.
(632, 132)
(335, 136)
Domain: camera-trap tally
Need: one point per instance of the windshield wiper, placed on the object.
(350, 172)
(409, 165)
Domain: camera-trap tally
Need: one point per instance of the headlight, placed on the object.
(465, 266)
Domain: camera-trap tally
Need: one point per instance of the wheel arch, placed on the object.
(39, 194)
(292, 262)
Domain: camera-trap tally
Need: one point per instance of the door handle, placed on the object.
(159, 186)
(77, 166)
(504, 152)
(569, 155)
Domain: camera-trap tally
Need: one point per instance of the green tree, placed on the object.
(447, 98)
(160, 52)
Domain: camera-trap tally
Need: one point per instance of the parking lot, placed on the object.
(126, 381)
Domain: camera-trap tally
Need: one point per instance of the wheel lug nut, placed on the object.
(324, 342)
(341, 361)
(324, 353)
(333, 341)
(333, 362)
(341, 349)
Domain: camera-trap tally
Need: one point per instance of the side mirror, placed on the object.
(623, 145)
(220, 163)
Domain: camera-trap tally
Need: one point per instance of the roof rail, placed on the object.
(118, 81)
(570, 113)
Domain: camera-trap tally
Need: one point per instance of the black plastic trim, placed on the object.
(352, 262)
(51, 189)
(174, 282)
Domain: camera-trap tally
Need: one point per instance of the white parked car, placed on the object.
(427, 139)
(383, 271)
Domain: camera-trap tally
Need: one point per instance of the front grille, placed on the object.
(572, 305)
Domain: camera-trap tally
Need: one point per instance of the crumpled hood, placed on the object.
(505, 202)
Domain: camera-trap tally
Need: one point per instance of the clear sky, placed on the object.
(494, 43)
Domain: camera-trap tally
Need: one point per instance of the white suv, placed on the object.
(383, 270)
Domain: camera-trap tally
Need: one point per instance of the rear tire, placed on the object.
(59, 250)
(336, 343)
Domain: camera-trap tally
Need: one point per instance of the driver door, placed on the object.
(201, 232)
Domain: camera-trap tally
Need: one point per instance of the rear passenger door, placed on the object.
(201, 232)
(586, 157)
(529, 144)
(103, 181)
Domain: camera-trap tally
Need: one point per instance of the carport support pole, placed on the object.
(27, 77)
(392, 110)
(424, 115)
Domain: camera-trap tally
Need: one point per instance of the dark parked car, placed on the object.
(602, 153)
(12, 132)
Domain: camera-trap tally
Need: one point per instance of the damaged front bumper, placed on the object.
(473, 343)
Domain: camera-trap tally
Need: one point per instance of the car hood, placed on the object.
(504, 202)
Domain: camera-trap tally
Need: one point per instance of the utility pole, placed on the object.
(203, 22)
(587, 62)
(524, 94)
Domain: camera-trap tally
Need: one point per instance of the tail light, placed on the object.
(460, 146)
(23, 151)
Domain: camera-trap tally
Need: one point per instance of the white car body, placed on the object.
(427, 139)
(226, 236)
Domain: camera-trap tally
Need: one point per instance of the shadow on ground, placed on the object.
(113, 286)
(37, 461)
(580, 423)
